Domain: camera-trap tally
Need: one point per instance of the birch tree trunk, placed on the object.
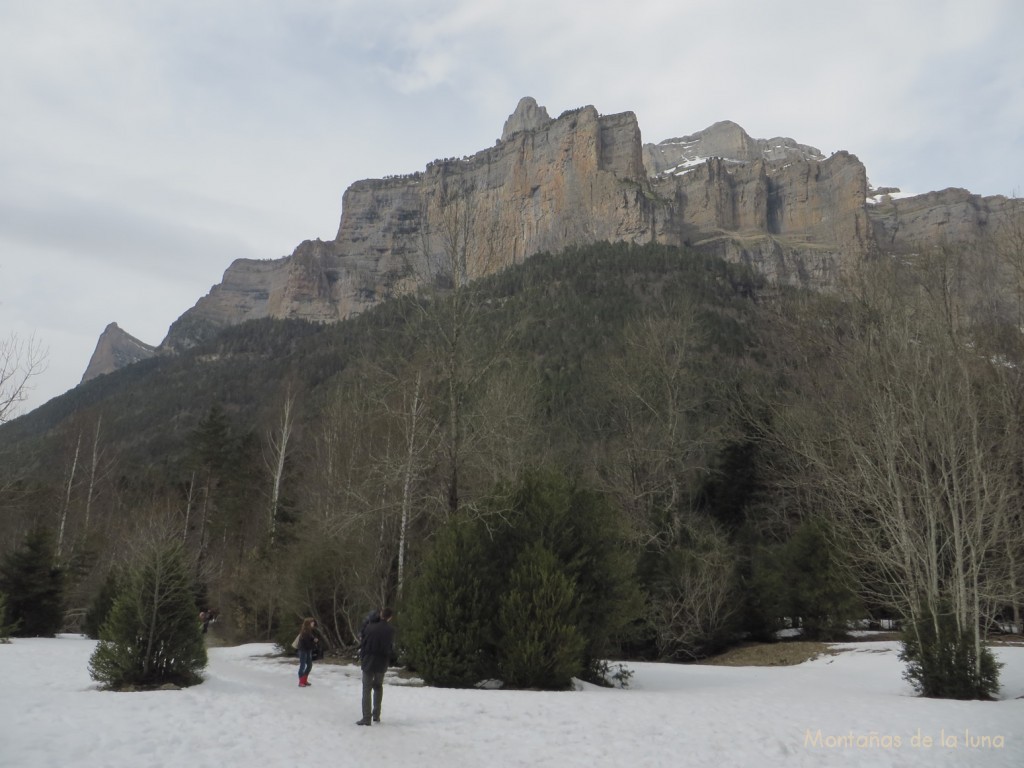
(93, 469)
(278, 445)
(67, 497)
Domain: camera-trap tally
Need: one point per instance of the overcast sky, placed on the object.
(146, 145)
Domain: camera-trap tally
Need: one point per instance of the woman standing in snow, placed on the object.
(307, 642)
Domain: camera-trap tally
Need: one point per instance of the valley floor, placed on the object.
(848, 709)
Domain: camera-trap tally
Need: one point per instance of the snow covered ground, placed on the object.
(852, 709)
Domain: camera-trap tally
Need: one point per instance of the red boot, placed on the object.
(302, 681)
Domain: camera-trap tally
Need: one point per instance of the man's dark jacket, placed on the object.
(375, 650)
(371, 618)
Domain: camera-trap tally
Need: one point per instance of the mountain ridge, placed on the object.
(781, 207)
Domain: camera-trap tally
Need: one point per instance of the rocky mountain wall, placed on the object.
(568, 181)
(950, 216)
(782, 207)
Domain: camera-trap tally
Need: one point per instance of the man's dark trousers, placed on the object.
(372, 682)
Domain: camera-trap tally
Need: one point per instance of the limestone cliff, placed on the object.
(547, 184)
(946, 217)
(782, 207)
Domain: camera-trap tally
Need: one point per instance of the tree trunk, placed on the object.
(67, 498)
(279, 452)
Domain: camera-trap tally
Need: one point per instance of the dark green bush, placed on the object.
(540, 569)
(943, 662)
(801, 580)
(445, 628)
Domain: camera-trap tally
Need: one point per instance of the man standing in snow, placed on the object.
(375, 653)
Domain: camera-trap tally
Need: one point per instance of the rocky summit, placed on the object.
(115, 349)
(794, 215)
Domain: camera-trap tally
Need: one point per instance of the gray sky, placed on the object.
(146, 145)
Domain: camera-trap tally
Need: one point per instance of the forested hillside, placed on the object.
(753, 456)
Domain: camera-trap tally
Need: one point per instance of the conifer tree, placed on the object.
(819, 592)
(34, 586)
(540, 645)
(535, 593)
(152, 636)
(445, 631)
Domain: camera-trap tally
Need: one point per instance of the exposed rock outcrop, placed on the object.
(115, 349)
(528, 116)
(949, 216)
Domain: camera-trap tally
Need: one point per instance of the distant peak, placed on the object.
(724, 139)
(724, 126)
(115, 349)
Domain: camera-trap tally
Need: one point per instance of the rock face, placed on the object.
(115, 349)
(297, 286)
(782, 207)
(577, 179)
(950, 216)
(797, 222)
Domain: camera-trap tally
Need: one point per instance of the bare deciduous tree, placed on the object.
(412, 418)
(659, 401)
(20, 361)
(668, 428)
(459, 245)
(695, 600)
(898, 436)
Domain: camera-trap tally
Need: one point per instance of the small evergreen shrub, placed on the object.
(943, 663)
(151, 636)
